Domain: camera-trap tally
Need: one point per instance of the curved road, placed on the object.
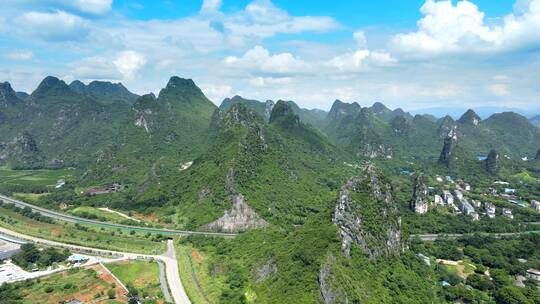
(80, 220)
(168, 258)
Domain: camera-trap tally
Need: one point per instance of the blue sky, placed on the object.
(410, 54)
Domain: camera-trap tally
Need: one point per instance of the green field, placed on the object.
(82, 284)
(142, 275)
(83, 235)
(105, 216)
(35, 178)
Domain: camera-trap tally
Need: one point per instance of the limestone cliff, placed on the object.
(420, 200)
(447, 153)
(367, 215)
(240, 217)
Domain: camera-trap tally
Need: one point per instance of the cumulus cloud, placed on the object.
(91, 6)
(447, 28)
(55, 26)
(361, 60)
(210, 5)
(128, 63)
(261, 18)
(270, 81)
(259, 59)
(20, 55)
(360, 38)
(96, 67)
(216, 92)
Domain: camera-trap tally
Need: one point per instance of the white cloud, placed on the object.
(54, 26)
(92, 6)
(210, 5)
(259, 59)
(128, 63)
(96, 67)
(20, 55)
(261, 18)
(361, 60)
(270, 81)
(360, 38)
(216, 93)
(447, 28)
(499, 89)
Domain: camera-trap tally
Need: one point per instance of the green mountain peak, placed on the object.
(7, 95)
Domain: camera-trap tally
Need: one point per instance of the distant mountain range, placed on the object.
(310, 177)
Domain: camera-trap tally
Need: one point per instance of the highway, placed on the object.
(80, 220)
(168, 259)
(433, 237)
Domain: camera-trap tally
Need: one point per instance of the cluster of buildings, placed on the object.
(457, 201)
(103, 190)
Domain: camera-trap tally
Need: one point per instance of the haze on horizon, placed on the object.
(414, 55)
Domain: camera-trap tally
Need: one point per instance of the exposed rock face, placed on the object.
(492, 162)
(374, 151)
(141, 122)
(420, 200)
(329, 293)
(447, 153)
(470, 118)
(447, 124)
(26, 143)
(240, 218)
(7, 95)
(269, 105)
(367, 215)
(265, 270)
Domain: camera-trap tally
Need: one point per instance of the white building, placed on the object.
(458, 194)
(438, 199)
(490, 210)
(476, 204)
(536, 205)
(448, 198)
(533, 274)
(508, 213)
(466, 207)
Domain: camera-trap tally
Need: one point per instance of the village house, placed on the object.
(490, 210)
(438, 199)
(509, 191)
(103, 190)
(536, 205)
(476, 203)
(466, 207)
(533, 274)
(448, 198)
(60, 183)
(458, 194)
(508, 213)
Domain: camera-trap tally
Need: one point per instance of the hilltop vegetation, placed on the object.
(323, 199)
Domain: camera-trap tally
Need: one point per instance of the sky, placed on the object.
(411, 54)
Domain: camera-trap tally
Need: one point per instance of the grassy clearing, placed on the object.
(42, 177)
(84, 235)
(200, 285)
(85, 285)
(84, 211)
(142, 275)
(28, 197)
